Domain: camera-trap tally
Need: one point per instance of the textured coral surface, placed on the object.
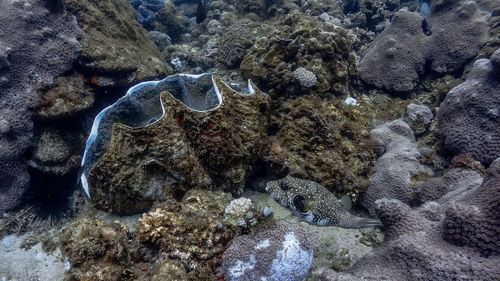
(469, 117)
(35, 47)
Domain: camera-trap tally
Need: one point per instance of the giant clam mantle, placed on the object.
(166, 137)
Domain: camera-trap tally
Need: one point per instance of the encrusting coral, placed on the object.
(304, 42)
(469, 117)
(35, 47)
(395, 168)
(445, 40)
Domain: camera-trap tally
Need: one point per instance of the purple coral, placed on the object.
(393, 170)
(469, 117)
(475, 222)
(451, 35)
(38, 46)
(417, 247)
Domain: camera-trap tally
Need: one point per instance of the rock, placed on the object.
(114, 44)
(277, 252)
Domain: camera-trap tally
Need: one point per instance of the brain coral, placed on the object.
(469, 117)
(277, 252)
(301, 41)
(34, 48)
(416, 244)
(451, 35)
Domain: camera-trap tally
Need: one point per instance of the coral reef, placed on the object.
(54, 153)
(191, 233)
(475, 221)
(395, 59)
(99, 251)
(324, 141)
(235, 42)
(177, 239)
(392, 177)
(209, 136)
(68, 96)
(35, 47)
(469, 116)
(146, 10)
(315, 204)
(416, 246)
(434, 188)
(114, 44)
(398, 56)
(278, 252)
(301, 41)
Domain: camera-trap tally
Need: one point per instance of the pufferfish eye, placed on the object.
(284, 186)
(300, 202)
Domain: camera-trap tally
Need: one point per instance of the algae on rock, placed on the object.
(114, 43)
(302, 41)
(327, 142)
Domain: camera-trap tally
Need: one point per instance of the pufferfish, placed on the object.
(315, 204)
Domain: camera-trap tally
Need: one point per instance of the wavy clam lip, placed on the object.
(141, 106)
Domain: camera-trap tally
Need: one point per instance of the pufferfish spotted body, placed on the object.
(315, 204)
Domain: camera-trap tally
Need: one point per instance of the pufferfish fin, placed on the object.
(346, 202)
